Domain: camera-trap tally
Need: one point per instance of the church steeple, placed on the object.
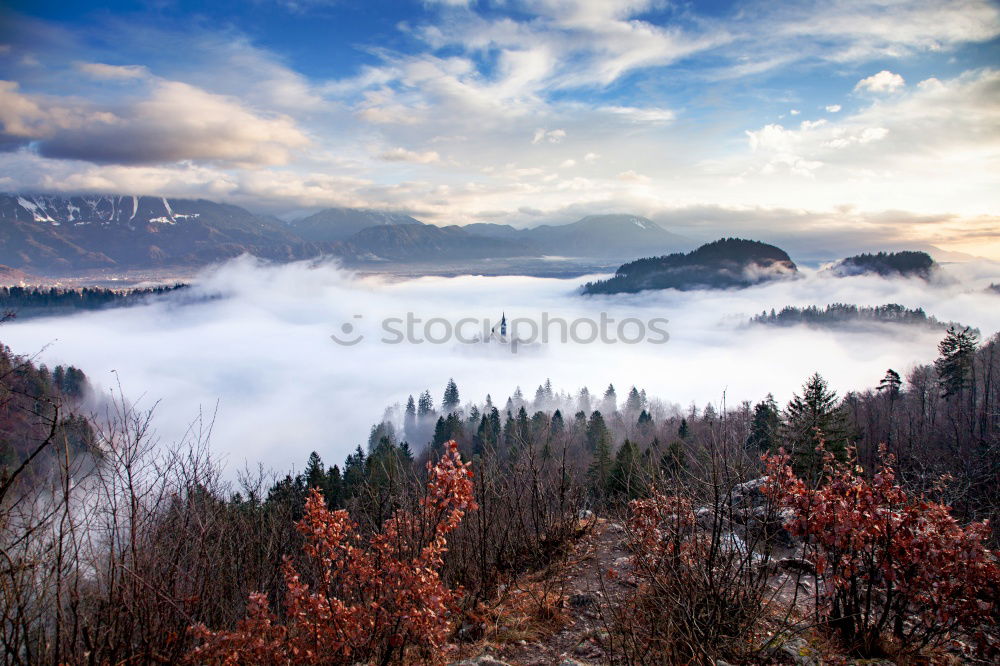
(503, 325)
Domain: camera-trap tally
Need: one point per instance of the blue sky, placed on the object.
(872, 119)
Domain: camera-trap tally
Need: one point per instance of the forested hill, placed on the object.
(25, 302)
(723, 264)
(39, 407)
(844, 315)
(907, 263)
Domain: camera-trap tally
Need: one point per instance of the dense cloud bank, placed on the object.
(262, 351)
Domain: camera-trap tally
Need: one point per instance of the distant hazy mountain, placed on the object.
(906, 263)
(339, 224)
(724, 264)
(55, 234)
(411, 242)
(48, 234)
(607, 236)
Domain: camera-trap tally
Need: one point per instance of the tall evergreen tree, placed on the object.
(891, 384)
(558, 427)
(765, 426)
(315, 473)
(410, 419)
(609, 405)
(334, 488)
(633, 403)
(683, 431)
(450, 401)
(425, 404)
(600, 469)
(813, 417)
(598, 434)
(954, 362)
(625, 481)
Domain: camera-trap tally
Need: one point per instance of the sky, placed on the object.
(259, 357)
(877, 120)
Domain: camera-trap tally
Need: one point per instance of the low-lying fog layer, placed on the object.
(263, 351)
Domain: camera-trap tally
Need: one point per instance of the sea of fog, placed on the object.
(252, 343)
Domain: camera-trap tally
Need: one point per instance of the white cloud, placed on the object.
(29, 117)
(884, 81)
(652, 116)
(404, 155)
(99, 70)
(632, 177)
(548, 136)
(833, 108)
(173, 122)
(794, 112)
(264, 355)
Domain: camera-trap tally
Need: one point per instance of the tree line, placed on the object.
(119, 560)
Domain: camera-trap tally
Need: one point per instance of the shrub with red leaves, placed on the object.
(889, 563)
(699, 593)
(370, 602)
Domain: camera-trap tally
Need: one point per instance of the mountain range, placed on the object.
(47, 234)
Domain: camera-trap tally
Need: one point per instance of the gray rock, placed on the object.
(481, 660)
(800, 652)
(798, 565)
(749, 492)
(704, 517)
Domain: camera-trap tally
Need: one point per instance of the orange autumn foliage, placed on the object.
(369, 601)
(891, 564)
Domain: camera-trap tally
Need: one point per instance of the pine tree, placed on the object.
(442, 433)
(674, 458)
(683, 431)
(410, 419)
(584, 401)
(334, 488)
(450, 401)
(523, 427)
(625, 478)
(354, 473)
(315, 473)
(540, 400)
(597, 432)
(609, 405)
(600, 468)
(814, 417)
(954, 364)
(891, 384)
(518, 397)
(510, 443)
(425, 404)
(558, 427)
(634, 402)
(765, 426)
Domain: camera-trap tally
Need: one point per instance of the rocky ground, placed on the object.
(562, 615)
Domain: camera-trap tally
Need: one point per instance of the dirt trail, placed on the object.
(578, 587)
